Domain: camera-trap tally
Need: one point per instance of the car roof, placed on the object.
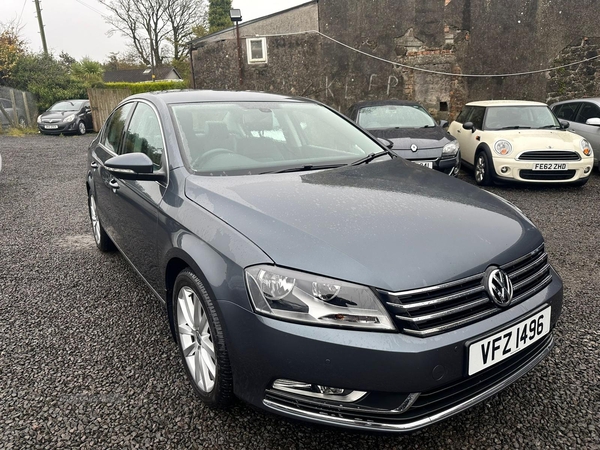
(192, 96)
(591, 99)
(489, 103)
(368, 103)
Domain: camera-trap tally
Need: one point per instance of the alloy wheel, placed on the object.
(195, 337)
(94, 219)
(81, 128)
(480, 169)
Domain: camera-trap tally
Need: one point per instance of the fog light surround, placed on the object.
(318, 391)
(587, 169)
(505, 169)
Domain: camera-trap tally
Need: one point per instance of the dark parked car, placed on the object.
(415, 134)
(310, 273)
(66, 117)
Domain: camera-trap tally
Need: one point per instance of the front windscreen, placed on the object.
(66, 106)
(394, 116)
(257, 137)
(515, 117)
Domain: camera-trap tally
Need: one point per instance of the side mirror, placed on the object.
(444, 124)
(469, 126)
(564, 124)
(132, 166)
(595, 121)
(386, 143)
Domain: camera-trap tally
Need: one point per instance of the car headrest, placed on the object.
(258, 120)
(217, 130)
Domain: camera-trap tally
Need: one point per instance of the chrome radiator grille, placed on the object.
(437, 309)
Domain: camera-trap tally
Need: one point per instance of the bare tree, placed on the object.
(157, 29)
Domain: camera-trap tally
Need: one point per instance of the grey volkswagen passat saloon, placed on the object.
(310, 272)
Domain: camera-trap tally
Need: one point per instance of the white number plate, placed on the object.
(502, 345)
(428, 164)
(550, 166)
(50, 127)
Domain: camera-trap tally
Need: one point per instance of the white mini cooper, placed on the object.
(522, 141)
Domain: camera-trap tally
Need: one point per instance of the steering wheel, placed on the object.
(201, 160)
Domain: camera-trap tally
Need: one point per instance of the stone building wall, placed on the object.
(452, 36)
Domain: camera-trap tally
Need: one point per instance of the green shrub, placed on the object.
(138, 88)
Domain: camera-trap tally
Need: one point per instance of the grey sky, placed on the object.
(77, 27)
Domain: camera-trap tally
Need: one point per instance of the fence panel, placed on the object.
(17, 108)
(103, 101)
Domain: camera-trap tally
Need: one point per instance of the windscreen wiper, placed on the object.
(515, 127)
(370, 157)
(305, 168)
(548, 126)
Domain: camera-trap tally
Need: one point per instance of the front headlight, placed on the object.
(301, 297)
(39, 119)
(70, 118)
(503, 147)
(451, 148)
(586, 147)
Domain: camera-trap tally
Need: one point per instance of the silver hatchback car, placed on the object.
(583, 116)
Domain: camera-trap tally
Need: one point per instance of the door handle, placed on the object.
(113, 184)
(94, 165)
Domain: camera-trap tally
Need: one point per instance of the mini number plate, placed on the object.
(550, 166)
(491, 350)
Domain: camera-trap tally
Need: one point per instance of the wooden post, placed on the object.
(27, 113)
(14, 108)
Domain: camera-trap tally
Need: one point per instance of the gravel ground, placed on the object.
(87, 361)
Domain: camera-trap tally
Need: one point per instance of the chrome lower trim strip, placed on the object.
(436, 301)
(394, 427)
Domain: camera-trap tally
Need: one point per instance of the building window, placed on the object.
(257, 50)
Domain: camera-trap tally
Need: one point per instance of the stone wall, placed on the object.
(452, 36)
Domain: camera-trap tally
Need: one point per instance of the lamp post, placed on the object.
(236, 17)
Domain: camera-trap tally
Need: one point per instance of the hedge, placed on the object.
(138, 88)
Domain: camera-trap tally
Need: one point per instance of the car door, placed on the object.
(470, 139)
(135, 202)
(86, 114)
(109, 143)
(587, 111)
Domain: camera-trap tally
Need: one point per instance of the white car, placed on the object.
(507, 140)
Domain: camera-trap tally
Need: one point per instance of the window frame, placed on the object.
(162, 135)
(263, 41)
(580, 110)
(104, 130)
(576, 109)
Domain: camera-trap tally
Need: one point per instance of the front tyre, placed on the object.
(102, 240)
(81, 128)
(201, 341)
(483, 168)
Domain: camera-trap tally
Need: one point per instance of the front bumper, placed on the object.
(69, 127)
(390, 366)
(522, 171)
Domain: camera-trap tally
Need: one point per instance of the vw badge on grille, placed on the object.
(414, 147)
(499, 287)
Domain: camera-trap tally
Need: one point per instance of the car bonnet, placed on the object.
(385, 224)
